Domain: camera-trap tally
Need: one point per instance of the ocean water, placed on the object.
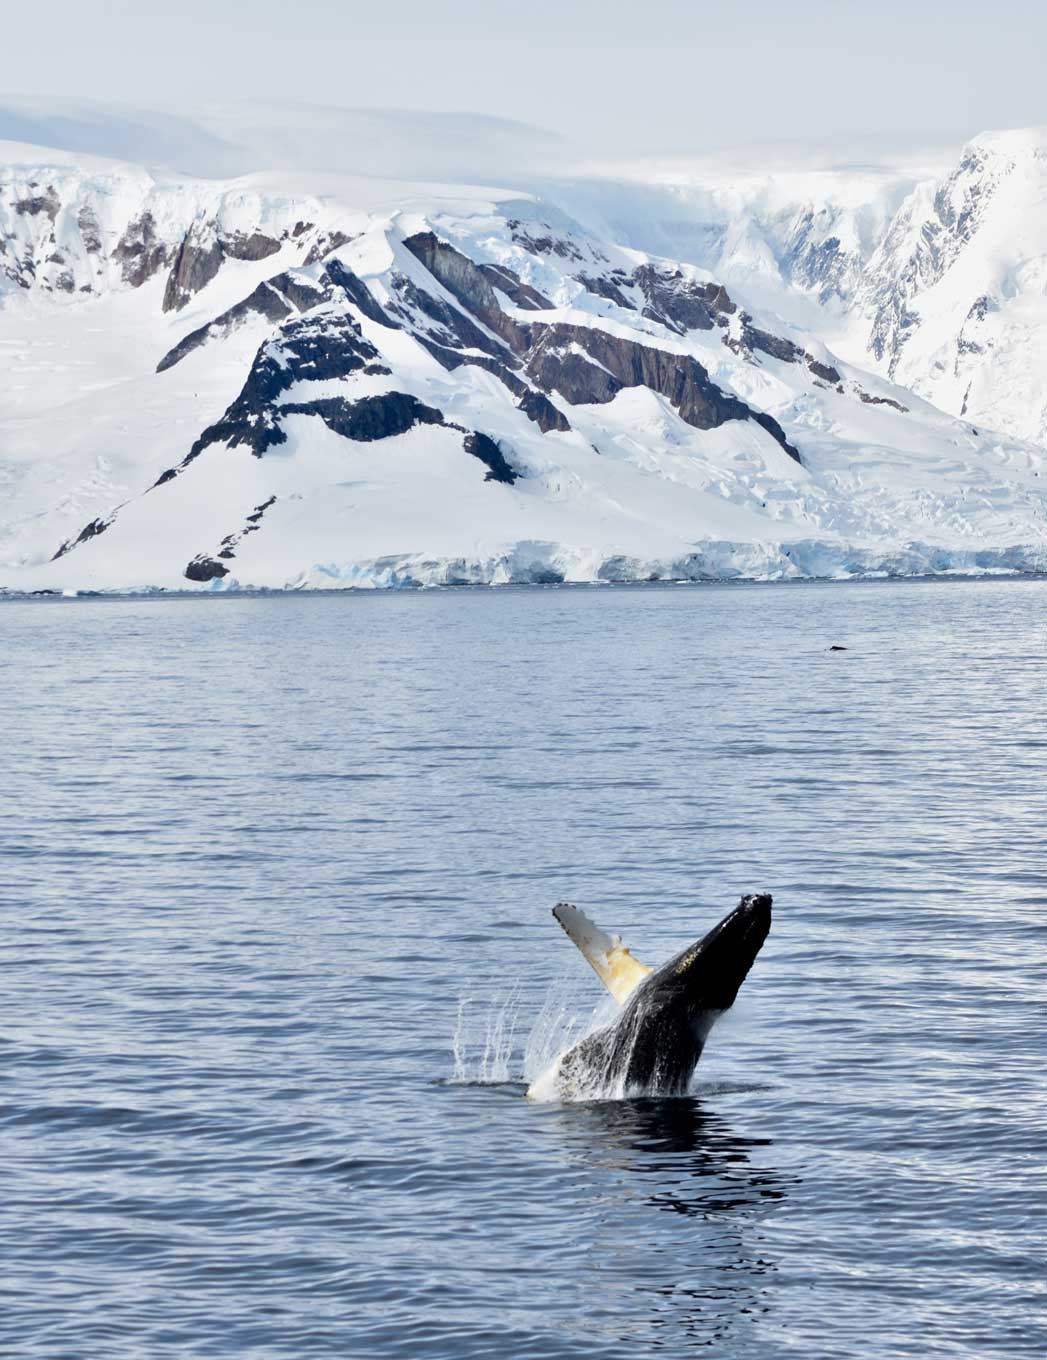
(277, 953)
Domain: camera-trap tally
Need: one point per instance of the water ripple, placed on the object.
(277, 953)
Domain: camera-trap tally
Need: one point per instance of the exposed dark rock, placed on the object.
(20, 271)
(300, 290)
(299, 229)
(46, 203)
(357, 292)
(311, 349)
(819, 262)
(525, 297)
(870, 400)
(958, 210)
(198, 260)
(451, 324)
(559, 368)
(541, 410)
(826, 372)
(605, 288)
(753, 339)
(254, 245)
(981, 307)
(92, 530)
(469, 285)
(252, 524)
(275, 299)
(201, 255)
(892, 325)
(775, 345)
(555, 355)
(204, 568)
(264, 301)
(777, 434)
(260, 510)
(483, 447)
(680, 378)
(543, 245)
(453, 358)
(306, 349)
(583, 364)
(680, 302)
(324, 244)
(369, 418)
(167, 476)
(141, 251)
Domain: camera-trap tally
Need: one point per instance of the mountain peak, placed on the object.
(304, 379)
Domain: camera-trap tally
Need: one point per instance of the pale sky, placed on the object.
(664, 74)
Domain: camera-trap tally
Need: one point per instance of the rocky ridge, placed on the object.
(620, 407)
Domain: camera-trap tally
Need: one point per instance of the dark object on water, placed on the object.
(657, 1040)
(837, 648)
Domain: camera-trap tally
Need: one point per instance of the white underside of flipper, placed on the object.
(612, 963)
(609, 959)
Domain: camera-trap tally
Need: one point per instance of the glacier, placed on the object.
(302, 378)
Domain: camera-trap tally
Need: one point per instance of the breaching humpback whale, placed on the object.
(655, 1042)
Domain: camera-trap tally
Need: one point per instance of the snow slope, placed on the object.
(925, 261)
(291, 380)
(957, 289)
(793, 228)
(930, 268)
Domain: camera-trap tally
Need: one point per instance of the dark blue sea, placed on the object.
(276, 953)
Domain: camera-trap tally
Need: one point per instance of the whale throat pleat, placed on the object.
(609, 959)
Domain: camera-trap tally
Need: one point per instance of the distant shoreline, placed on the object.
(471, 588)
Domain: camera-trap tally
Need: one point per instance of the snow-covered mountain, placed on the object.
(794, 229)
(309, 379)
(957, 289)
(933, 272)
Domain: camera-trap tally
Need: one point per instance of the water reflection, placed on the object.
(688, 1158)
(680, 1157)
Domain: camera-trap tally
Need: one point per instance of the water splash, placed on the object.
(601, 1064)
(484, 1039)
(586, 1082)
(484, 1046)
(563, 1020)
(486, 1053)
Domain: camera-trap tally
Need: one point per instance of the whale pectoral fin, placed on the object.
(609, 959)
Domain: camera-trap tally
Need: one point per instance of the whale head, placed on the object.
(706, 975)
